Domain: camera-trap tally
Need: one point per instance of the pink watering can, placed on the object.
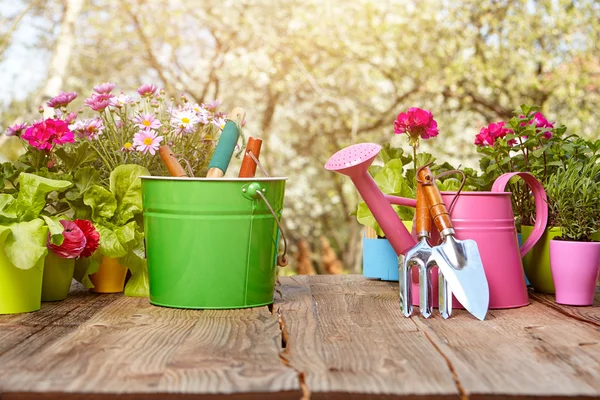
(486, 217)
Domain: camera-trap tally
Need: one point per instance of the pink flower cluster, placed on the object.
(416, 123)
(487, 135)
(44, 135)
(102, 97)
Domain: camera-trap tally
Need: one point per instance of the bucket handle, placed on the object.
(541, 205)
(282, 260)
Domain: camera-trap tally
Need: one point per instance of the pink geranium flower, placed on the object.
(541, 123)
(147, 141)
(487, 135)
(147, 90)
(74, 241)
(16, 129)
(104, 88)
(147, 121)
(98, 102)
(62, 100)
(416, 123)
(44, 135)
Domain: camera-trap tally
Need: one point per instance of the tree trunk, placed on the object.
(63, 50)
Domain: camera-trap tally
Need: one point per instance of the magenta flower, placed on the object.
(98, 102)
(416, 123)
(487, 135)
(74, 241)
(541, 123)
(44, 135)
(104, 88)
(147, 141)
(62, 100)
(90, 128)
(16, 129)
(147, 90)
(147, 121)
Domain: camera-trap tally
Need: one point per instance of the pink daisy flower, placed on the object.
(62, 100)
(147, 121)
(147, 90)
(121, 101)
(98, 102)
(16, 129)
(147, 141)
(212, 105)
(104, 88)
(90, 128)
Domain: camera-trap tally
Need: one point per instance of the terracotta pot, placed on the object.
(110, 277)
(575, 267)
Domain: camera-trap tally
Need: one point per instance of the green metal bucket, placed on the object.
(212, 243)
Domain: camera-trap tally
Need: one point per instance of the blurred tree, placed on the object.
(315, 76)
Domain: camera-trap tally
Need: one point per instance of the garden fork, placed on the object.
(420, 256)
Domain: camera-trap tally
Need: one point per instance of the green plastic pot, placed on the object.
(58, 274)
(211, 243)
(537, 262)
(20, 289)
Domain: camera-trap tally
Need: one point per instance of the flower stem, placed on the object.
(415, 162)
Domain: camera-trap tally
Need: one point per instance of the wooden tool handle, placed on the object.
(423, 215)
(175, 169)
(436, 204)
(237, 114)
(248, 168)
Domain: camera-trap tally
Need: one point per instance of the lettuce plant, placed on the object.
(23, 228)
(116, 212)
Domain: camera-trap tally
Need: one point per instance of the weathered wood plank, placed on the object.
(525, 352)
(348, 337)
(590, 314)
(134, 349)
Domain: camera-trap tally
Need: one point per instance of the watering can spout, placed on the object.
(354, 161)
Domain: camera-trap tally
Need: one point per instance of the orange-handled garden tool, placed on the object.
(248, 168)
(458, 260)
(168, 158)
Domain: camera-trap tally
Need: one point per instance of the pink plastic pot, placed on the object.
(575, 267)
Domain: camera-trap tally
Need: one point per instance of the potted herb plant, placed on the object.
(574, 193)
(528, 142)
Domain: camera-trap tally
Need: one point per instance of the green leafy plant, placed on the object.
(22, 224)
(116, 213)
(573, 196)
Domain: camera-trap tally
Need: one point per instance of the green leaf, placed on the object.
(366, 218)
(101, 201)
(83, 269)
(128, 235)
(27, 243)
(138, 285)
(126, 185)
(84, 179)
(110, 246)
(449, 185)
(8, 210)
(79, 156)
(56, 229)
(32, 194)
(424, 158)
(374, 169)
(390, 179)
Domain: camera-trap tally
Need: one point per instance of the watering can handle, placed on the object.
(541, 205)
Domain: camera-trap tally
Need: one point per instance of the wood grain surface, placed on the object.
(326, 337)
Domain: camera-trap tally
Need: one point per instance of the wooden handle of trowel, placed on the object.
(437, 207)
(422, 212)
(175, 169)
(248, 168)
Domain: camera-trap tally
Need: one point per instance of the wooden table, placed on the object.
(326, 337)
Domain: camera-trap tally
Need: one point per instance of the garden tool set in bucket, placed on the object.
(461, 272)
(212, 243)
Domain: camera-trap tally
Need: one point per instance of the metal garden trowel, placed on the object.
(459, 261)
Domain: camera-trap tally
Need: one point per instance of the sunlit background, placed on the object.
(315, 76)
